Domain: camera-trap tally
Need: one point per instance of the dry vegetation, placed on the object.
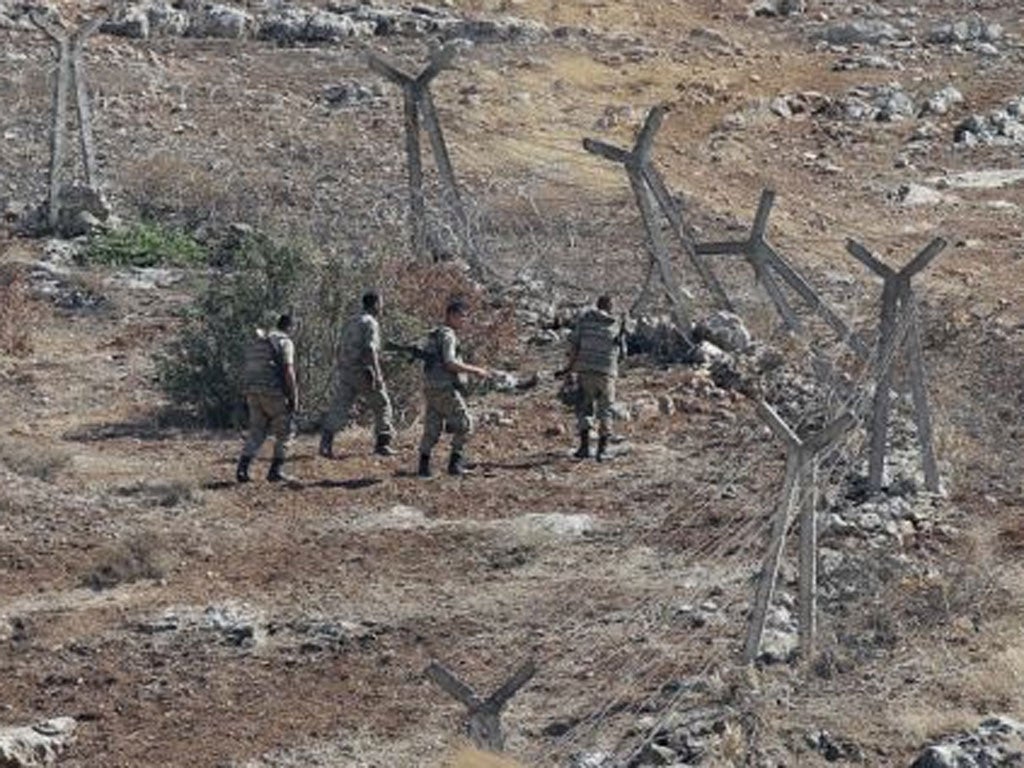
(187, 621)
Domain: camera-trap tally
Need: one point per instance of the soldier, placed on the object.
(360, 377)
(595, 347)
(442, 390)
(272, 394)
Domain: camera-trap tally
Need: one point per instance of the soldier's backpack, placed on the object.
(264, 365)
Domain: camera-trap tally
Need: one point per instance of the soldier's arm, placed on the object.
(291, 385)
(456, 366)
(371, 354)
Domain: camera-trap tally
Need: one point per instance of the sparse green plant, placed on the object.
(145, 244)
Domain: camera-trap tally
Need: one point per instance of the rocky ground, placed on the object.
(153, 613)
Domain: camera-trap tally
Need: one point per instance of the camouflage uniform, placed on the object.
(445, 405)
(269, 410)
(595, 345)
(360, 342)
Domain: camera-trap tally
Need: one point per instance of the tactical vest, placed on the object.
(263, 370)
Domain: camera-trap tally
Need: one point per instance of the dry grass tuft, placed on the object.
(474, 758)
(39, 460)
(17, 314)
(140, 556)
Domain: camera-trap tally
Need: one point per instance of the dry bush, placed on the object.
(164, 494)
(140, 556)
(997, 683)
(424, 290)
(925, 722)
(39, 460)
(170, 189)
(18, 314)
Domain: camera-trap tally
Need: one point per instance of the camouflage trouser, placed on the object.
(346, 392)
(268, 413)
(446, 409)
(597, 392)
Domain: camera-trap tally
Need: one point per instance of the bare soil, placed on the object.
(185, 620)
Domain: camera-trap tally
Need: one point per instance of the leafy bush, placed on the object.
(202, 367)
(145, 244)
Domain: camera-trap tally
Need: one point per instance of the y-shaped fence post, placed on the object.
(483, 722)
(766, 263)
(801, 482)
(420, 104)
(69, 70)
(646, 182)
(897, 295)
(58, 121)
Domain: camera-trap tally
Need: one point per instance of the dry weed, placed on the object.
(923, 722)
(997, 684)
(40, 461)
(140, 556)
(18, 314)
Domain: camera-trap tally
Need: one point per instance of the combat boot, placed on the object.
(383, 447)
(602, 445)
(583, 451)
(242, 470)
(326, 448)
(456, 466)
(275, 475)
(424, 468)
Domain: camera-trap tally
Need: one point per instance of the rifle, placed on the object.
(429, 358)
(413, 351)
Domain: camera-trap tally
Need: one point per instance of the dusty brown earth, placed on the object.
(264, 626)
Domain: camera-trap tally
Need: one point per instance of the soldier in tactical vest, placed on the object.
(442, 391)
(595, 348)
(359, 377)
(272, 395)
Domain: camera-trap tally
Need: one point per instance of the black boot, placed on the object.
(275, 475)
(326, 448)
(383, 447)
(455, 464)
(602, 444)
(424, 468)
(583, 451)
(242, 470)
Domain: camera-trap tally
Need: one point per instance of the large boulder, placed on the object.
(131, 21)
(862, 31)
(223, 21)
(35, 746)
(725, 330)
(165, 19)
(996, 741)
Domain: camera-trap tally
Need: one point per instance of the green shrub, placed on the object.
(201, 369)
(145, 244)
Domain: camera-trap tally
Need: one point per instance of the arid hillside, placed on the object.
(155, 613)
